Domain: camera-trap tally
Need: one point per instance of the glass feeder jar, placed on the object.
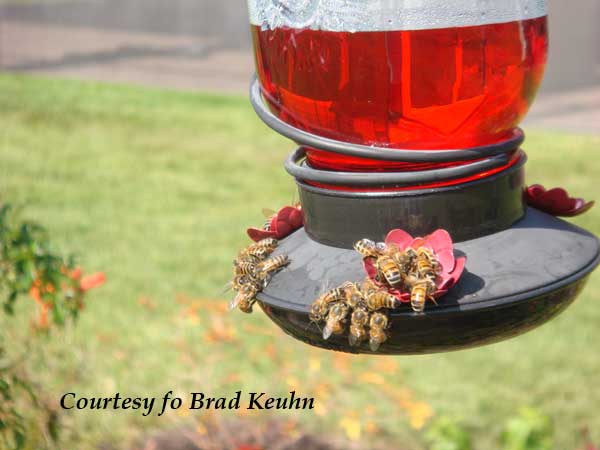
(410, 74)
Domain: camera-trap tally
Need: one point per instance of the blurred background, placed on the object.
(125, 129)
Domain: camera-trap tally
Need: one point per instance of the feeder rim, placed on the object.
(441, 310)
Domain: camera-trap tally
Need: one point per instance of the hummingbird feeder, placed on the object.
(406, 115)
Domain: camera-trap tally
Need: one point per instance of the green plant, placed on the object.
(529, 430)
(447, 434)
(29, 266)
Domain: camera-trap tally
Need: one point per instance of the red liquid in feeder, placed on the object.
(421, 89)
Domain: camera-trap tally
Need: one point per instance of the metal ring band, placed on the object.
(307, 139)
(298, 168)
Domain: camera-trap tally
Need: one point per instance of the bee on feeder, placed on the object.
(246, 305)
(378, 324)
(246, 294)
(358, 326)
(320, 307)
(335, 295)
(269, 266)
(239, 281)
(367, 248)
(261, 249)
(247, 258)
(252, 270)
(427, 266)
(336, 319)
(244, 268)
(405, 260)
(388, 271)
(367, 287)
(353, 296)
(380, 300)
(421, 291)
(269, 214)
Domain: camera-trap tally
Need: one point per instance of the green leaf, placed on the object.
(529, 430)
(446, 434)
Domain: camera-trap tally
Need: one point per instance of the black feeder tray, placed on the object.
(523, 267)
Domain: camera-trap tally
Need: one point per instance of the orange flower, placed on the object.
(91, 281)
(82, 285)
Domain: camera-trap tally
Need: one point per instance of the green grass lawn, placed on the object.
(156, 189)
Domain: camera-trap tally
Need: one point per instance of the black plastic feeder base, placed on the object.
(523, 266)
(517, 279)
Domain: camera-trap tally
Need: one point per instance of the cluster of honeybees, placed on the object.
(363, 307)
(252, 270)
(411, 270)
(361, 304)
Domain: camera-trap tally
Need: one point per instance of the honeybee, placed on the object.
(335, 320)
(367, 287)
(389, 271)
(269, 243)
(420, 292)
(238, 281)
(404, 260)
(271, 265)
(241, 267)
(246, 294)
(246, 305)
(335, 295)
(260, 249)
(318, 310)
(426, 263)
(377, 326)
(381, 299)
(269, 214)
(320, 307)
(358, 323)
(367, 248)
(410, 279)
(353, 295)
(244, 256)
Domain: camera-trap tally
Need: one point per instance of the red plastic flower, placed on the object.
(555, 201)
(440, 243)
(285, 221)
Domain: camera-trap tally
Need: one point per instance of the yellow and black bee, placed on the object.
(421, 291)
(380, 300)
(377, 330)
(367, 248)
(358, 326)
(336, 319)
(389, 271)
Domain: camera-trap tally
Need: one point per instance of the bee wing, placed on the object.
(267, 212)
(374, 344)
(327, 331)
(233, 304)
(326, 286)
(352, 339)
(227, 287)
